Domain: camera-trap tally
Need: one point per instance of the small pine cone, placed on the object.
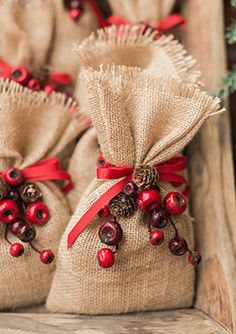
(30, 193)
(122, 206)
(145, 177)
(4, 188)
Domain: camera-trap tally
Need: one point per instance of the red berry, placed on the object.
(34, 84)
(8, 211)
(20, 74)
(75, 14)
(149, 200)
(104, 212)
(14, 177)
(195, 258)
(156, 237)
(26, 233)
(175, 203)
(110, 233)
(178, 246)
(49, 88)
(159, 218)
(106, 258)
(46, 256)
(74, 4)
(16, 249)
(17, 225)
(37, 213)
(130, 189)
(101, 162)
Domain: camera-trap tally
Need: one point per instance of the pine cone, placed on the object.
(145, 176)
(122, 206)
(4, 188)
(29, 193)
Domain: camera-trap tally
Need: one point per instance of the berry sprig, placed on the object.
(143, 193)
(21, 210)
(75, 8)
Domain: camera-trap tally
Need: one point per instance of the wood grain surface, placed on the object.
(167, 322)
(211, 171)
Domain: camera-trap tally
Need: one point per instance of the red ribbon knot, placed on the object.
(167, 173)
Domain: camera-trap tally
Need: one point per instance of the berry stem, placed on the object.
(5, 235)
(172, 223)
(34, 248)
(116, 249)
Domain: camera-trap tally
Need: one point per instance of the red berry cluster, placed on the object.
(21, 209)
(75, 8)
(22, 76)
(159, 211)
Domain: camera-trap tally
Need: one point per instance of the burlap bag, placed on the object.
(33, 127)
(139, 118)
(26, 31)
(128, 46)
(135, 11)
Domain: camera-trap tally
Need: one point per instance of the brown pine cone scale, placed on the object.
(122, 206)
(145, 177)
(30, 193)
(4, 188)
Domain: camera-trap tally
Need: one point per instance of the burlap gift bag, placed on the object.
(131, 46)
(34, 127)
(140, 119)
(135, 11)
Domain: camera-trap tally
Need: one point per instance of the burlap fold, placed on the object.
(135, 11)
(140, 119)
(33, 126)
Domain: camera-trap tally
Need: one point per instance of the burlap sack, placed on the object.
(26, 31)
(33, 127)
(139, 118)
(68, 32)
(135, 11)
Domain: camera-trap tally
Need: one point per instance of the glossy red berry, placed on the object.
(159, 218)
(110, 233)
(49, 88)
(34, 84)
(101, 161)
(157, 237)
(178, 246)
(149, 200)
(17, 225)
(130, 189)
(37, 213)
(8, 211)
(26, 233)
(195, 258)
(14, 177)
(104, 212)
(20, 74)
(75, 14)
(175, 203)
(16, 249)
(106, 258)
(46, 256)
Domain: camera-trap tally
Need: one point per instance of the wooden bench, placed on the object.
(213, 206)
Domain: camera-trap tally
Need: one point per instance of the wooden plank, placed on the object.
(212, 181)
(187, 321)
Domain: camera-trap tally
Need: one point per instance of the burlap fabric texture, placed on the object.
(135, 11)
(34, 126)
(139, 119)
(129, 46)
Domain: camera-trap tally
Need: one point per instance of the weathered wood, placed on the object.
(212, 181)
(167, 322)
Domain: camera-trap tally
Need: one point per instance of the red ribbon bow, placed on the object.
(45, 170)
(166, 171)
(168, 24)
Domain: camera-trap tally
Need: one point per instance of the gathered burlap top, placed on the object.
(142, 10)
(33, 126)
(135, 46)
(26, 31)
(140, 119)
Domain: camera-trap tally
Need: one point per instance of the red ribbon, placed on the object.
(166, 171)
(101, 20)
(168, 24)
(47, 169)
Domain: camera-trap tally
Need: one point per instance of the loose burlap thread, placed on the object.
(34, 126)
(142, 10)
(140, 119)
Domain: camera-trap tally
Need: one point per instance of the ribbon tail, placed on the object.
(171, 22)
(94, 209)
